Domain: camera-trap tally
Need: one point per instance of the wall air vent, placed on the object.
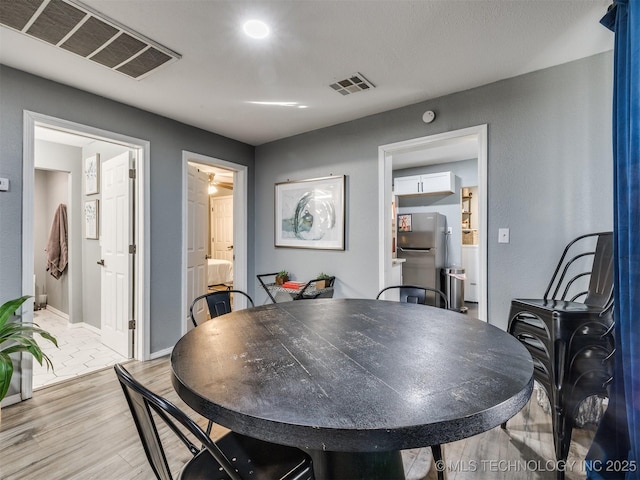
(77, 28)
(353, 84)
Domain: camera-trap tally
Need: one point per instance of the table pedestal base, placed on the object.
(357, 465)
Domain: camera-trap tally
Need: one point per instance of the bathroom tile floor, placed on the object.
(80, 350)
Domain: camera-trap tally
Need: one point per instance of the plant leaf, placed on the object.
(17, 336)
(9, 308)
(6, 371)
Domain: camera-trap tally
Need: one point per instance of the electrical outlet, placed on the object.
(503, 235)
(4, 184)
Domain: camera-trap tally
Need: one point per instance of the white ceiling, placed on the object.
(410, 50)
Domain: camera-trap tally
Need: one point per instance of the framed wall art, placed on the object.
(404, 222)
(91, 219)
(91, 174)
(310, 213)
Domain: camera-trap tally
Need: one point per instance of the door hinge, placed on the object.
(132, 249)
(132, 324)
(132, 173)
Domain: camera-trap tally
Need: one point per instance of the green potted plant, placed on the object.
(323, 281)
(17, 336)
(281, 277)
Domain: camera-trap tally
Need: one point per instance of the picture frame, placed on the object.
(91, 212)
(404, 222)
(311, 213)
(92, 174)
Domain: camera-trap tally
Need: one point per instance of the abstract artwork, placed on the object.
(310, 213)
(91, 219)
(91, 166)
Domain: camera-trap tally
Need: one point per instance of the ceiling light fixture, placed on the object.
(279, 104)
(212, 188)
(256, 29)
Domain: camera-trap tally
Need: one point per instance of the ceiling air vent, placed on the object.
(77, 28)
(355, 83)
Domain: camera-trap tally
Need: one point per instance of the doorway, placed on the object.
(431, 150)
(80, 349)
(75, 138)
(214, 228)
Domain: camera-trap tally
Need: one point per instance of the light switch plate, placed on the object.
(503, 235)
(4, 184)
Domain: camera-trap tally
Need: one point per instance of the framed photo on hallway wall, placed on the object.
(91, 174)
(310, 213)
(91, 219)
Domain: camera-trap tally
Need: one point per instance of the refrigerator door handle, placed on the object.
(414, 250)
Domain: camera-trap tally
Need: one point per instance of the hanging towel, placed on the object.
(57, 251)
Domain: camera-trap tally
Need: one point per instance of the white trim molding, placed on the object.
(142, 261)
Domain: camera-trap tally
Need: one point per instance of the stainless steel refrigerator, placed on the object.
(421, 241)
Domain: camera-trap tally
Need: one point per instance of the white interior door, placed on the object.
(222, 228)
(115, 237)
(197, 239)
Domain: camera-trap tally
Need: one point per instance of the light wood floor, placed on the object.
(81, 430)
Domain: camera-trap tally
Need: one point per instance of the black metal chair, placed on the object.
(233, 457)
(218, 303)
(418, 294)
(309, 293)
(569, 332)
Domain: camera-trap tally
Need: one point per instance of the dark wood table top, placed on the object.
(352, 375)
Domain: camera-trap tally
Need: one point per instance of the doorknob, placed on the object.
(207, 257)
(100, 262)
(230, 247)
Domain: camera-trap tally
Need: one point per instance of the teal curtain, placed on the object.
(615, 451)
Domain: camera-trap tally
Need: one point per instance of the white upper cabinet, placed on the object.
(432, 183)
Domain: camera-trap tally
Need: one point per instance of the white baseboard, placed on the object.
(11, 399)
(160, 353)
(87, 326)
(58, 312)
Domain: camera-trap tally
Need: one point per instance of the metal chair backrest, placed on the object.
(580, 261)
(141, 403)
(416, 294)
(304, 293)
(218, 303)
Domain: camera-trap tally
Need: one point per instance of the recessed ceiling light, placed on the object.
(256, 29)
(277, 104)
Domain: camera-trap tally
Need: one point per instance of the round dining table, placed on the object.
(352, 381)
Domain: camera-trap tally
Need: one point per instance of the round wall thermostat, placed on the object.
(428, 116)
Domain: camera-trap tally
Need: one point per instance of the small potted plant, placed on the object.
(323, 281)
(281, 277)
(17, 336)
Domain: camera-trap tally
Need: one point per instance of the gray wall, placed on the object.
(549, 168)
(20, 91)
(64, 158)
(51, 190)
